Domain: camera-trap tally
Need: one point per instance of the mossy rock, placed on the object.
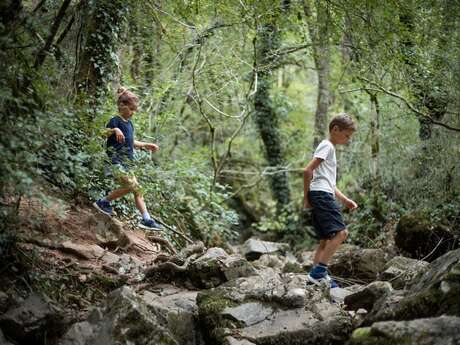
(418, 237)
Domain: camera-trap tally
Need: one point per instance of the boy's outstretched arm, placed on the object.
(146, 146)
(344, 200)
(307, 177)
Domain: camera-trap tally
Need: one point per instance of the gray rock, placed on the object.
(248, 314)
(178, 311)
(216, 267)
(437, 292)
(232, 341)
(338, 294)
(400, 271)
(358, 263)
(4, 301)
(272, 308)
(29, 321)
(84, 251)
(3, 341)
(123, 319)
(430, 331)
(254, 248)
(367, 296)
(108, 230)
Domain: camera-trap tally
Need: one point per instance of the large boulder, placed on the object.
(358, 263)
(177, 310)
(32, 321)
(401, 271)
(419, 237)
(216, 267)
(124, 318)
(367, 296)
(271, 308)
(436, 292)
(442, 330)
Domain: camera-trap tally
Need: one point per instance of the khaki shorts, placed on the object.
(124, 177)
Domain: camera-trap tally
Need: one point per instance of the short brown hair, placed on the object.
(343, 121)
(125, 97)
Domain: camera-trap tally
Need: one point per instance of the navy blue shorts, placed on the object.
(326, 215)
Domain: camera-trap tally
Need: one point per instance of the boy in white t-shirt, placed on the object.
(320, 192)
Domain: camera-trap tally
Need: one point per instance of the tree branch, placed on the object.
(40, 59)
(408, 104)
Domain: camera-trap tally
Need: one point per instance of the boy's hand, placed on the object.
(151, 147)
(306, 204)
(119, 135)
(350, 204)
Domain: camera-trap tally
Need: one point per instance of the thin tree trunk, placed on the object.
(319, 35)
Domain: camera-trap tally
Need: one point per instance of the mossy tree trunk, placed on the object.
(103, 24)
(426, 85)
(266, 118)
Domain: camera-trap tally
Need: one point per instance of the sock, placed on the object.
(146, 215)
(322, 264)
(105, 200)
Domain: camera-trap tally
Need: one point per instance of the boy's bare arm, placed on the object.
(107, 132)
(344, 200)
(307, 177)
(147, 146)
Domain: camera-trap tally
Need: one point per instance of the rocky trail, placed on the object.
(79, 277)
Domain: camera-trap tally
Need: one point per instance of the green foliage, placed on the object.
(194, 66)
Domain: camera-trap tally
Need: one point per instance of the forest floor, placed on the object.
(58, 253)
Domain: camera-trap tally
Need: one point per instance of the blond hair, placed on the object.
(126, 97)
(343, 121)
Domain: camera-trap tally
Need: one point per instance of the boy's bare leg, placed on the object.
(332, 245)
(140, 203)
(319, 251)
(117, 193)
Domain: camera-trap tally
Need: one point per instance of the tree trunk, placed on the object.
(319, 35)
(423, 81)
(266, 119)
(98, 60)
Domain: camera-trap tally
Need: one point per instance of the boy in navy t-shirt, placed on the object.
(120, 149)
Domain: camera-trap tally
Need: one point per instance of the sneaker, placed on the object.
(320, 281)
(326, 280)
(104, 207)
(150, 224)
(334, 284)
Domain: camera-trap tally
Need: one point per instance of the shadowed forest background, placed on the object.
(237, 94)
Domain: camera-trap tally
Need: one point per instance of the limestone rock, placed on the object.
(84, 251)
(178, 311)
(271, 308)
(123, 319)
(253, 248)
(366, 297)
(355, 262)
(436, 293)
(108, 230)
(30, 321)
(430, 331)
(400, 271)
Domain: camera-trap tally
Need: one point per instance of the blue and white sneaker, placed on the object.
(150, 224)
(318, 280)
(321, 281)
(104, 207)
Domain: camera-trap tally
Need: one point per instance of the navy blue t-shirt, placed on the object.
(121, 153)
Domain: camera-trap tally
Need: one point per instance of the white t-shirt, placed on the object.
(324, 176)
